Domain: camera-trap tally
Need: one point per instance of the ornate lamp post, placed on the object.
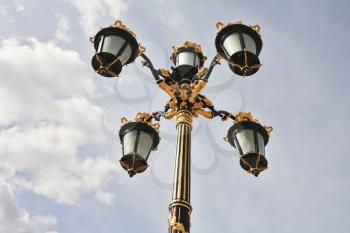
(238, 44)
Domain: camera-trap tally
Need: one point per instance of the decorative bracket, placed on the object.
(176, 225)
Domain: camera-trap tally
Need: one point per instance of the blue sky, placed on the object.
(59, 120)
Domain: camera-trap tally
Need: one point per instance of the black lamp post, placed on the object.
(240, 46)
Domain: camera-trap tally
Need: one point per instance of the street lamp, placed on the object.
(138, 139)
(238, 44)
(250, 138)
(115, 47)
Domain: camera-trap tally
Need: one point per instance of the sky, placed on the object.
(59, 121)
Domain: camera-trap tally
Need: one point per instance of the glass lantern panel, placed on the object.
(126, 54)
(112, 44)
(261, 144)
(232, 44)
(246, 141)
(129, 142)
(186, 58)
(249, 43)
(145, 144)
(196, 61)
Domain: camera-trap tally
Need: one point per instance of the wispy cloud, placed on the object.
(93, 12)
(14, 219)
(61, 33)
(46, 117)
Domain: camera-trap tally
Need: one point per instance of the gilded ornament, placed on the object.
(221, 25)
(184, 117)
(119, 24)
(176, 225)
(197, 48)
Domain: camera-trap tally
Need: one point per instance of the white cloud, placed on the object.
(18, 6)
(172, 19)
(3, 10)
(93, 12)
(105, 197)
(45, 117)
(13, 219)
(62, 29)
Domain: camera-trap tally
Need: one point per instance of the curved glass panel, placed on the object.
(245, 139)
(145, 145)
(129, 142)
(126, 54)
(261, 144)
(112, 44)
(232, 44)
(249, 43)
(187, 58)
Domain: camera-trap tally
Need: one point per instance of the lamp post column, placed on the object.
(180, 207)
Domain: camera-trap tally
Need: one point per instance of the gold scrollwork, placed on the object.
(147, 118)
(143, 117)
(119, 24)
(245, 116)
(176, 225)
(217, 59)
(165, 87)
(201, 72)
(197, 48)
(221, 25)
(142, 49)
(196, 89)
(256, 28)
(269, 129)
(169, 115)
(206, 114)
(124, 120)
(164, 72)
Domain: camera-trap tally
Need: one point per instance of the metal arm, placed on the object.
(206, 103)
(147, 62)
(214, 62)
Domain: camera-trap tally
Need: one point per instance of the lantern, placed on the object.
(250, 138)
(187, 59)
(240, 45)
(115, 47)
(138, 139)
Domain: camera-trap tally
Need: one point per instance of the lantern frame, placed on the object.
(108, 64)
(246, 159)
(129, 161)
(184, 73)
(249, 62)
